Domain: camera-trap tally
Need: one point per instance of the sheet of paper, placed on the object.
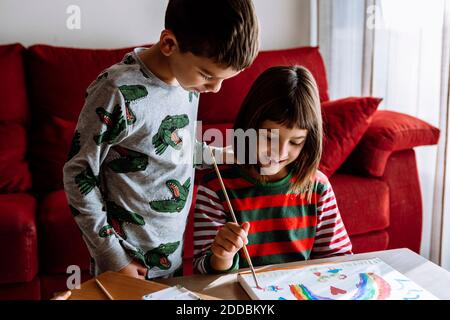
(355, 280)
(172, 293)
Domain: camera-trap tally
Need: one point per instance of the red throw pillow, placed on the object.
(14, 173)
(389, 132)
(344, 122)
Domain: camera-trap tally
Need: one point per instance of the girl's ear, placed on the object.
(168, 43)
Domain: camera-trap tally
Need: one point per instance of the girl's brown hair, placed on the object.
(288, 96)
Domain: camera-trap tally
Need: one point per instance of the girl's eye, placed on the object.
(298, 144)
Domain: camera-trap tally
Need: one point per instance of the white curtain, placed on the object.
(440, 240)
(394, 49)
(341, 41)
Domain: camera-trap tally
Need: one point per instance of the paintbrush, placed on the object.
(106, 292)
(244, 248)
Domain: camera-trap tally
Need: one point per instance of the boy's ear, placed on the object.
(168, 43)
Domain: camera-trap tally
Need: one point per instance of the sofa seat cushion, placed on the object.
(363, 203)
(18, 235)
(15, 176)
(61, 243)
(224, 105)
(369, 242)
(21, 291)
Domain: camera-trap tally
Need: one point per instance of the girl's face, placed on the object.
(275, 158)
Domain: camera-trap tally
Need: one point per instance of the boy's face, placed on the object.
(193, 73)
(290, 144)
(198, 74)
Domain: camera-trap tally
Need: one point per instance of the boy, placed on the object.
(129, 175)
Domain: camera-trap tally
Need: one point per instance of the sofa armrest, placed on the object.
(389, 132)
(405, 201)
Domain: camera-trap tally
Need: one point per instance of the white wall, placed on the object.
(114, 23)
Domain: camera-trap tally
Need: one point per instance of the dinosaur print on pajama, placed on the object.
(126, 193)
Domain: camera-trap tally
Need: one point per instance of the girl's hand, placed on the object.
(229, 240)
(135, 270)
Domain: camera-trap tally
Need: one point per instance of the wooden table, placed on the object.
(425, 273)
(120, 287)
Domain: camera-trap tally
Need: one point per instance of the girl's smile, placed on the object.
(278, 148)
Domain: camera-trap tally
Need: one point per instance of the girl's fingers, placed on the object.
(246, 227)
(237, 229)
(226, 244)
(220, 251)
(230, 236)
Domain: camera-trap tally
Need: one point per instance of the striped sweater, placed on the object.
(283, 227)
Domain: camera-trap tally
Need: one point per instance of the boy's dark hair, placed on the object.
(225, 31)
(289, 97)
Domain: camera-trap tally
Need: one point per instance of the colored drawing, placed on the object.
(337, 291)
(372, 287)
(337, 270)
(370, 279)
(301, 292)
(273, 288)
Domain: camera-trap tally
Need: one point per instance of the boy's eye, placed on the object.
(204, 76)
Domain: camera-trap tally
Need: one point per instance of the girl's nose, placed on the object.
(284, 151)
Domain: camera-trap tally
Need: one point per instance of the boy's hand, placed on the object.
(229, 240)
(135, 270)
(228, 156)
(62, 295)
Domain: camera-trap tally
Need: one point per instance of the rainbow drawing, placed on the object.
(370, 287)
(301, 292)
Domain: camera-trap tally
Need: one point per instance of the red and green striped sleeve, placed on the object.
(331, 238)
(209, 217)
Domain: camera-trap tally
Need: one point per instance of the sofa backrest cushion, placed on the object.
(14, 172)
(223, 107)
(58, 78)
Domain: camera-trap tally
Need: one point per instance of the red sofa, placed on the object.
(41, 94)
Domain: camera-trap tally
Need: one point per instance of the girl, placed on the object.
(285, 206)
